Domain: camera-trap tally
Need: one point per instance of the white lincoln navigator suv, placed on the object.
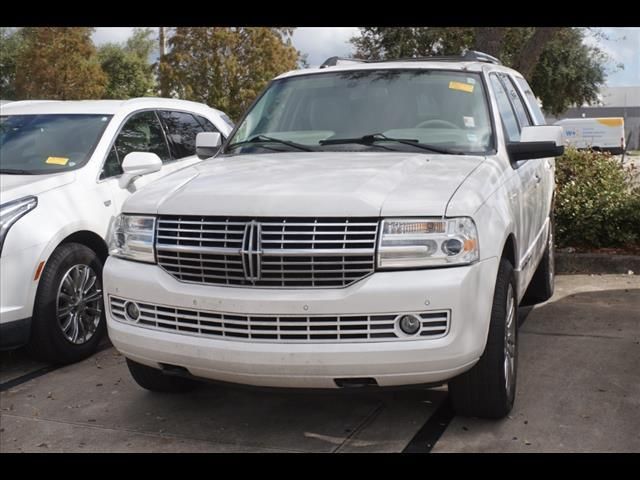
(364, 224)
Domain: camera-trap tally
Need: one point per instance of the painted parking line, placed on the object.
(20, 363)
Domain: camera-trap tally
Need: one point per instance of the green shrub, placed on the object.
(597, 201)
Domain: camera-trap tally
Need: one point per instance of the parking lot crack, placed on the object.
(364, 424)
(150, 434)
(551, 334)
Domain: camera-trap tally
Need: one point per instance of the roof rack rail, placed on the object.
(334, 61)
(469, 56)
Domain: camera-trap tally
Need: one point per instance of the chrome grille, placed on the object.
(267, 252)
(280, 328)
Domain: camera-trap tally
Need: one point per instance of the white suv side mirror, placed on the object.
(540, 141)
(136, 164)
(207, 144)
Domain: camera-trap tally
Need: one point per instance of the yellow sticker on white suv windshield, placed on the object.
(463, 87)
(57, 160)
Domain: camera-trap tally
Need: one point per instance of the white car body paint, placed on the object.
(73, 201)
(505, 200)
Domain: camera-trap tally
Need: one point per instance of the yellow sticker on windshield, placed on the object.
(57, 160)
(463, 87)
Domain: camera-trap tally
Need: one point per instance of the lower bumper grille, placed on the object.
(280, 328)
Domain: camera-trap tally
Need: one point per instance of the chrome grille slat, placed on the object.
(293, 252)
(280, 328)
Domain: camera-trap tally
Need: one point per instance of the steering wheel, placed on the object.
(436, 123)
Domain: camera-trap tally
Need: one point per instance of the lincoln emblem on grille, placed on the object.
(252, 251)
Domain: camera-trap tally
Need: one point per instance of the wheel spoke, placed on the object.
(76, 328)
(63, 312)
(94, 311)
(83, 327)
(86, 273)
(90, 283)
(65, 326)
(68, 282)
(97, 295)
(75, 278)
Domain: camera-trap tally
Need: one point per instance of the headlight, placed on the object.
(12, 211)
(132, 237)
(424, 242)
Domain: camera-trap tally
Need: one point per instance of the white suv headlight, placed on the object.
(132, 237)
(11, 212)
(426, 242)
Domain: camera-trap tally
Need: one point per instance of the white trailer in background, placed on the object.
(606, 134)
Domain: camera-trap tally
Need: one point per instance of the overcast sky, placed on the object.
(319, 43)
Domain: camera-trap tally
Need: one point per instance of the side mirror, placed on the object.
(207, 144)
(539, 141)
(136, 164)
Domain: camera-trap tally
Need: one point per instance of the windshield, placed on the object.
(37, 144)
(365, 109)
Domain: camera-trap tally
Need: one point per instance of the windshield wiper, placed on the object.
(265, 139)
(380, 137)
(13, 171)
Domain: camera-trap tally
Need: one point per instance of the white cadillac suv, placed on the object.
(364, 224)
(66, 167)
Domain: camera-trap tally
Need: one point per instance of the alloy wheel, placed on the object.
(79, 304)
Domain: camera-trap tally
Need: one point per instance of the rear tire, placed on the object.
(488, 389)
(543, 282)
(154, 380)
(68, 314)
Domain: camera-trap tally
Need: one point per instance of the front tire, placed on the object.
(68, 315)
(154, 380)
(488, 389)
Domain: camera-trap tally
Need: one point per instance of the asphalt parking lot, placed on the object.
(578, 391)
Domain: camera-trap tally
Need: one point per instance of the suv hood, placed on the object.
(13, 187)
(310, 184)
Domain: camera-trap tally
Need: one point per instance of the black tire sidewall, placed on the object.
(481, 391)
(47, 339)
(497, 328)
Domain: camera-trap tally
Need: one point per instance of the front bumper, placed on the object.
(466, 292)
(17, 284)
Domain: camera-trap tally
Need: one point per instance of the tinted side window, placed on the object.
(506, 111)
(112, 165)
(142, 133)
(534, 108)
(182, 129)
(206, 124)
(516, 101)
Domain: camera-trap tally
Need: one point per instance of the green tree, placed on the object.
(568, 72)
(127, 66)
(380, 43)
(10, 43)
(562, 70)
(226, 67)
(58, 63)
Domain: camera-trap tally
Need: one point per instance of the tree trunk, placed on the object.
(163, 87)
(528, 58)
(489, 40)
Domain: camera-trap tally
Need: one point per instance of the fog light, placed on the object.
(453, 246)
(132, 311)
(409, 324)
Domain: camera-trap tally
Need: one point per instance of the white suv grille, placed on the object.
(267, 252)
(280, 328)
